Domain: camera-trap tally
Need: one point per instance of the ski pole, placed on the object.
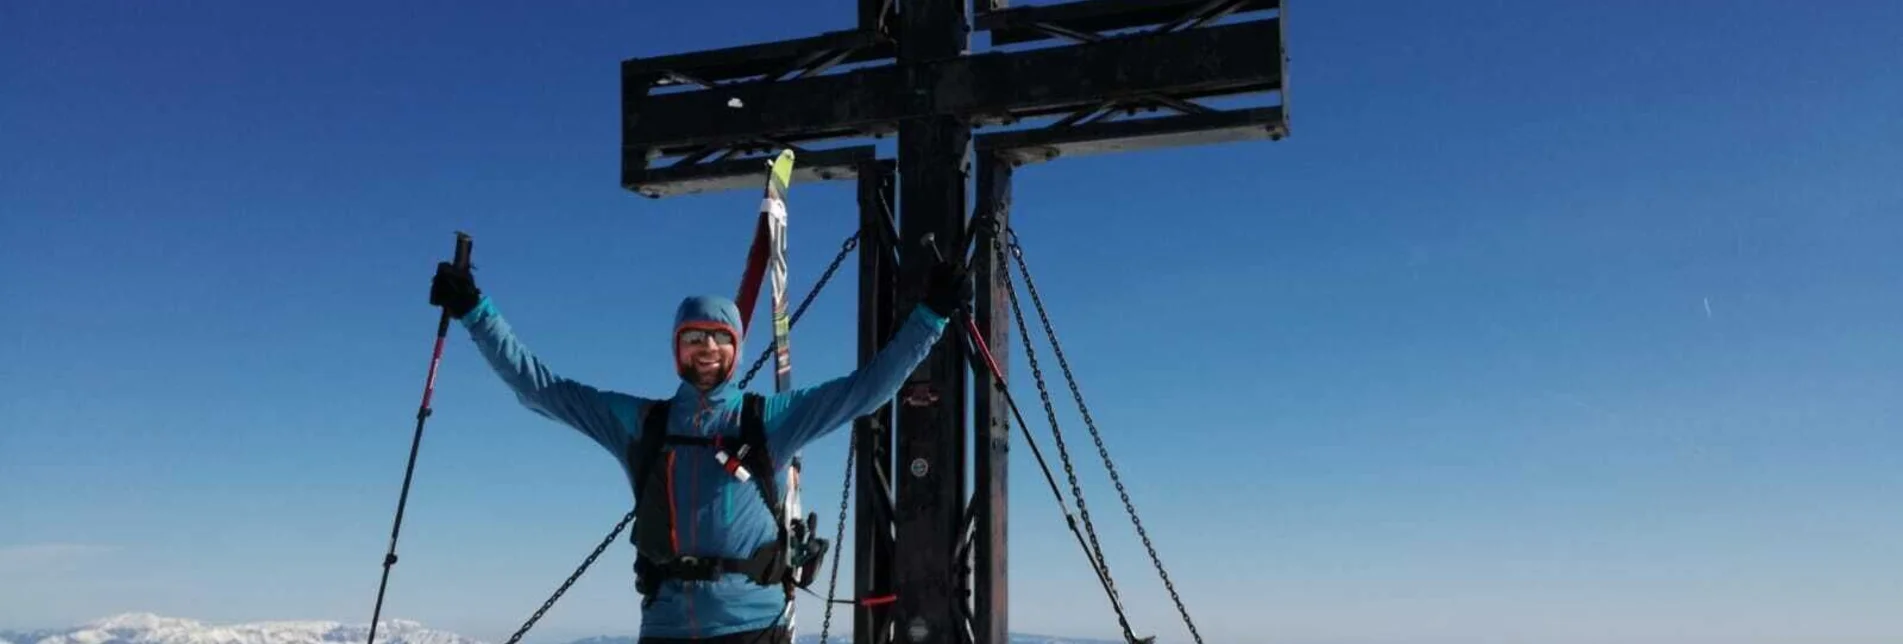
(463, 244)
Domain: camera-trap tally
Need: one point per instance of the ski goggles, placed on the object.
(697, 336)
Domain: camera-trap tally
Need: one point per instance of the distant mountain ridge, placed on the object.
(148, 628)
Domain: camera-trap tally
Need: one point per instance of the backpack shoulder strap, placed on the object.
(644, 452)
(758, 460)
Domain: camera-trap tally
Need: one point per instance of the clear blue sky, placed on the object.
(1558, 322)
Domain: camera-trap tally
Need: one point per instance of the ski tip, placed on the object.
(781, 169)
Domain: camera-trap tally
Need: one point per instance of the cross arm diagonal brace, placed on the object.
(716, 176)
(1229, 59)
(1021, 24)
(764, 59)
(1044, 144)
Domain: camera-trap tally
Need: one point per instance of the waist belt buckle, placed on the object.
(692, 568)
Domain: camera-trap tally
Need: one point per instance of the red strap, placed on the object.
(673, 514)
(979, 339)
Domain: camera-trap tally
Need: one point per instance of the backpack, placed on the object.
(789, 560)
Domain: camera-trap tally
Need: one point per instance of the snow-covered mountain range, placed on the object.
(147, 628)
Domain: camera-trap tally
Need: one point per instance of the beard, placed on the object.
(700, 376)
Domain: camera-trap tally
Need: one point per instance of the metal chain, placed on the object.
(1095, 551)
(517, 637)
(1057, 349)
(844, 250)
(845, 490)
(839, 537)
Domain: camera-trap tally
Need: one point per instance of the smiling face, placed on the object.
(704, 355)
(707, 336)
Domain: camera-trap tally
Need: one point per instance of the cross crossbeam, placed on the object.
(1185, 65)
(1038, 22)
(762, 97)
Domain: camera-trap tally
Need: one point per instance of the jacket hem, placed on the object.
(712, 631)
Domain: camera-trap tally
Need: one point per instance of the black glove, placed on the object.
(454, 289)
(947, 288)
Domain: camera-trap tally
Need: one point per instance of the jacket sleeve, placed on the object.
(798, 417)
(607, 417)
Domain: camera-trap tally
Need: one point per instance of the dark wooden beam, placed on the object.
(1021, 24)
(933, 151)
(873, 520)
(876, 15)
(1042, 144)
(1221, 60)
(748, 61)
(991, 437)
(817, 165)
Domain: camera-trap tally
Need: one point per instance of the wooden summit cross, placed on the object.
(705, 109)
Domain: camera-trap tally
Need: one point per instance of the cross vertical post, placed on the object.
(991, 437)
(872, 434)
(933, 152)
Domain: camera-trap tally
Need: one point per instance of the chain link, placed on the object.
(844, 250)
(1057, 349)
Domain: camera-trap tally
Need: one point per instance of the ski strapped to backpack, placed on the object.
(789, 561)
(766, 261)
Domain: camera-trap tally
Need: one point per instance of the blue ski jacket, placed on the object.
(716, 515)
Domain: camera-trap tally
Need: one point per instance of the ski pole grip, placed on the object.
(463, 246)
